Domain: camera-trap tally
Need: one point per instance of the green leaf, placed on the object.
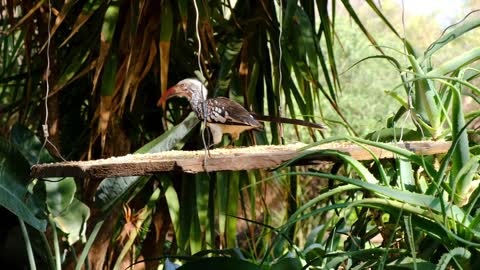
(461, 153)
(110, 21)
(394, 134)
(409, 263)
(109, 74)
(456, 63)
(412, 199)
(232, 209)
(173, 203)
(14, 179)
(405, 173)
(425, 97)
(112, 189)
(60, 194)
(287, 264)
(460, 253)
(219, 263)
(169, 139)
(457, 31)
(229, 55)
(166, 27)
(73, 221)
(463, 180)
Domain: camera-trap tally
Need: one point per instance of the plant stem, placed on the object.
(28, 245)
(56, 247)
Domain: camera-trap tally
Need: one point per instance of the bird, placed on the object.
(222, 115)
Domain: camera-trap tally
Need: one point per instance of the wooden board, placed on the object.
(224, 159)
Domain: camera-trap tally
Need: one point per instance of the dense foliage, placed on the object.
(81, 79)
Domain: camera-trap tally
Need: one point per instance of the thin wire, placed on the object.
(47, 75)
(204, 104)
(280, 74)
(280, 52)
(409, 97)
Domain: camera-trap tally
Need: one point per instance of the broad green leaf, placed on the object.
(205, 208)
(394, 134)
(361, 170)
(409, 262)
(222, 190)
(73, 221)
(166, 27)
(292, 263)
(230, 52)
(425, 97)
(14, 179)
(405, 173)
(172, 137)
(60, 194)
(357, 20)
(232, 208)
(430, 203)
(173, 203)
(109, 25)
(463, 180)
(418, 159)
(378, 11)
(110, 20)
(462, 254)
(461, 153)
(457, 31)
(113, 189)
(109, 74)
(328, 33)
(183, 10)
(188, 216)
(88, 245)
(456, 63)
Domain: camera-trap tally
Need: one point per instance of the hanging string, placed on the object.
(204, 104)
(280, 74)
(47, 75)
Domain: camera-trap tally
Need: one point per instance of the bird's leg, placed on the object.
(252, 136)
(233, 138)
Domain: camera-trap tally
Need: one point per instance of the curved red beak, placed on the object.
(172, 91)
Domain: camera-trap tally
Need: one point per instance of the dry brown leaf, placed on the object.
(58, 87)
(164, 47)
(104, 49)
(105, 113)
(26, 17)
(144, 70)
(67, 5)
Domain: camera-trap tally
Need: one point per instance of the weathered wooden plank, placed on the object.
(234, 159)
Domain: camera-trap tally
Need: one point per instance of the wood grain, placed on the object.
(224, 159)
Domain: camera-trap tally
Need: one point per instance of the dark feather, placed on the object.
(224, 110)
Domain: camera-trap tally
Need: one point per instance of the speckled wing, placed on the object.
(225, 111)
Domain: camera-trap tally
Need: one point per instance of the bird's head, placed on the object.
(192, 89)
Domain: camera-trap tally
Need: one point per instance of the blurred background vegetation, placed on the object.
(348, 64)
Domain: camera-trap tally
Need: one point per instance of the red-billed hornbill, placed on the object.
(223, 116)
